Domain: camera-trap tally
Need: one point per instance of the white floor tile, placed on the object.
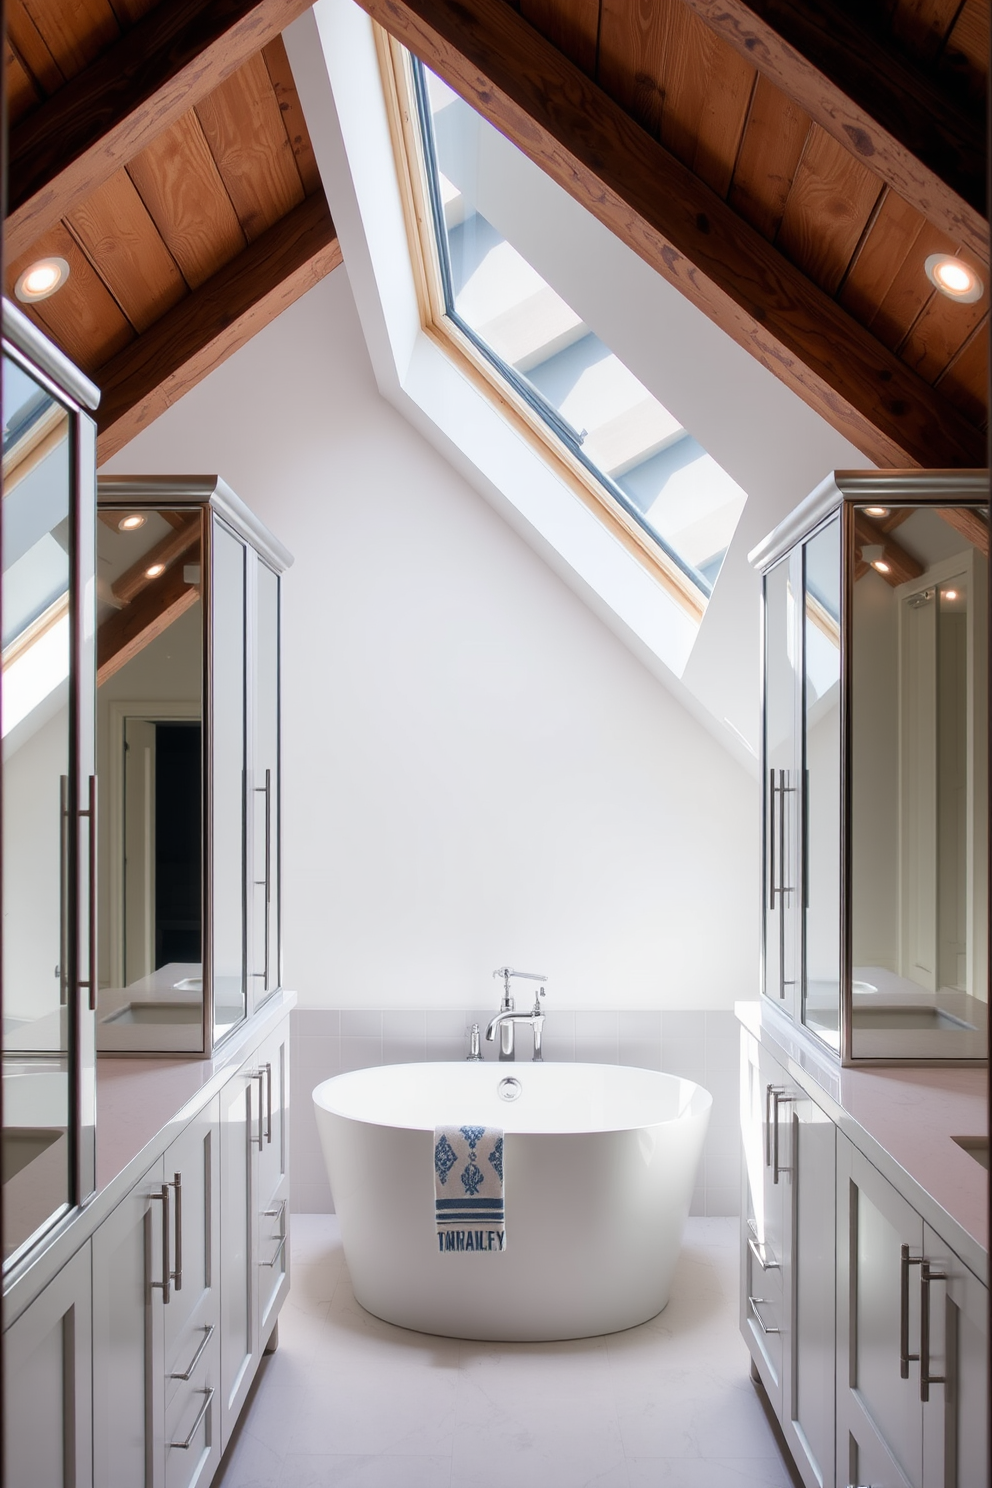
(350, 1401)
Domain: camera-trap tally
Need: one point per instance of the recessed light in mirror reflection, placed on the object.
(131, 523)
(154, 571)
(876, 511)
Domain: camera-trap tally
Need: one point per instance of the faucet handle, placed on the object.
(538, 994)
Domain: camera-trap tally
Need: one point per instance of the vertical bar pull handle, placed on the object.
(927, 1275)
(268, 1103)
(771, 839)
(258, 1075)
(779, 1098)
(905, 1357)
(771, 1091)
(177, 1271)
(90, 812)
(165, 1283)
(63, 889)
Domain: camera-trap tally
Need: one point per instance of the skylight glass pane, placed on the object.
(645, 460)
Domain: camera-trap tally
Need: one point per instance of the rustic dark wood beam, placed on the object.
(98, 121)
(924, 143)
(900, 565)
(199, 333)
(489, 55)
(131, 629)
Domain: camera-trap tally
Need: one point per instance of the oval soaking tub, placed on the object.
(600, 1163)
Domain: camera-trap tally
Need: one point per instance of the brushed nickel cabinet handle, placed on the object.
(756, 1251)
(905, 1357)
(927, 1275)
(754, 1303)
(90, 813)
(191, 1369)
(770, 1090)
(779, 1098)
(258, 1075)
(177, 1271)
(277, 1252)
(165, 1283)
(184, 1446)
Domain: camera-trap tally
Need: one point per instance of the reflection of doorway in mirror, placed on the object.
(155, 837)
(942, 773)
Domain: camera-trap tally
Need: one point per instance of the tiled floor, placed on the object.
(353, 1402)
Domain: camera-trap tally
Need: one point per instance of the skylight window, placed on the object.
(642, 465)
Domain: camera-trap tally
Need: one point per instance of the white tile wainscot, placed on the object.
(699, 1045)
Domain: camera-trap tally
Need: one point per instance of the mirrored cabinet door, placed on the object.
(781, 779)
(919, 771)
(228, 823)
(150, 745)
(48, 789)
(821, 781)
(265, 774)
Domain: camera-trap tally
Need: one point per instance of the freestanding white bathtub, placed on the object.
(600, 1162)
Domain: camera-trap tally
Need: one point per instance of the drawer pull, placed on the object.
(754, 1303)
(756, 1251)
(184, 1446)
(905, 1357)
(278, 1251)
(188, 1373)
(926, 1378)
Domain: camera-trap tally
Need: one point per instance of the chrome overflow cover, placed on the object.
(509, 1089)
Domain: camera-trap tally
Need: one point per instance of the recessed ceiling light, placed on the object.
(876, 511)
(131, 523)
(950, 594)
(954, 278)
(41, 279)
(881, 565)
(154, 571)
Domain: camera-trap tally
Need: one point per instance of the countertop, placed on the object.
(903, 1121)
(143, 1103)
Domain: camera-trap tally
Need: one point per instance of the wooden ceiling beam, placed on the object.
(923, 143)
(199, 333)
(576, 133)
(170, 59)
(128, 631)
(969, 523)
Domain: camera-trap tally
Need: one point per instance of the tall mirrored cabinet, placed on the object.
(49, 786)
(875, 765)
(188, 742)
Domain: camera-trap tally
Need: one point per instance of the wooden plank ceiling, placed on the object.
(788, 164)
(162, 151)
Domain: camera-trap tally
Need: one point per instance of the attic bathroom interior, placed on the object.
(495, 781)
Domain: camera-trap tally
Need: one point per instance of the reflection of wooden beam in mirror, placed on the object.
(821, 617)
(44, 435)
(164, 552)
(901, 565)
(970, 523)
(131, 629)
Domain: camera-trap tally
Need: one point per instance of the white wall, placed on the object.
(476, 770)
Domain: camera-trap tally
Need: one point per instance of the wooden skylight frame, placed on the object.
(395, 66)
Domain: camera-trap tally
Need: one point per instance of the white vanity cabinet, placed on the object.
(156, 1312)
(47, 1406)
(787, 1299)
(254, 1121)
(912, 1375)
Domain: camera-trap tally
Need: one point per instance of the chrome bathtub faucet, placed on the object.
(507, 1016)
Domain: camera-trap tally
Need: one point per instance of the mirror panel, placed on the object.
(781, 882)
(822, 783)
(265, 890)
(150, 760)
(38, 604)
(228, 784)
(919, 764)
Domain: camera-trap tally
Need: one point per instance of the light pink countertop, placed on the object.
(903, 1120)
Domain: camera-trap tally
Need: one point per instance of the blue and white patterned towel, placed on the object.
(468, 1188)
